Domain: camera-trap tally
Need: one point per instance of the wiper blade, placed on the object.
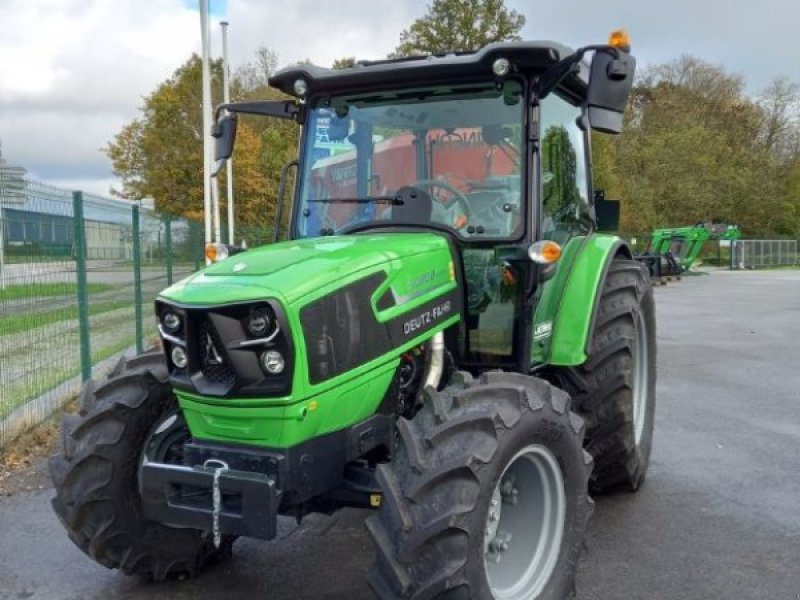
(393, 200)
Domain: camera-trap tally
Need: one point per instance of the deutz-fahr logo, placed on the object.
(428, 317)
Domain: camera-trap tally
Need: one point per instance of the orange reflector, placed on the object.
(509, 278)
(544, 252)
(620, 39)
(461, 220)
(216, 252)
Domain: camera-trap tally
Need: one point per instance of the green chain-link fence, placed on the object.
(78, 276)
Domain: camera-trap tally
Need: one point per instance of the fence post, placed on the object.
(194, 237)
(137, 280)
(82, 287)
(168, 246)
(2, 251)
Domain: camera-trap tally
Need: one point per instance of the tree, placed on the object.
(160, 154)
(344, 63)
(697, 148)
(460, 25)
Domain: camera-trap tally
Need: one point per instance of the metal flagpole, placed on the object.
(226, 97)
(205, 42)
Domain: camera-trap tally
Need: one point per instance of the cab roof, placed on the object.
(452, 68)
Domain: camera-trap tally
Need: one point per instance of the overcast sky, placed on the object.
(73, 72)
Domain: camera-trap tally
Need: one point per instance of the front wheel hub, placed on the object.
(529, 501)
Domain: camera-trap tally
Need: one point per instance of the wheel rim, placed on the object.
(165, 441)
(640, 377)
(525, 525)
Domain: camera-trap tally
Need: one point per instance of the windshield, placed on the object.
(444, 156)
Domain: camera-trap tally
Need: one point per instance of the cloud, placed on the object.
(75, 71)
(753, 39)
(318, 31)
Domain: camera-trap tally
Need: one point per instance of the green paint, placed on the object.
(550, 299)
(298, 268)
(288, 425)
(568, 300)
(418, 269)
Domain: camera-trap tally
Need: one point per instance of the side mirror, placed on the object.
(338, 128)
(606, 212)
(224, 134)
(610, 84)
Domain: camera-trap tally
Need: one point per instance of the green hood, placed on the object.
(293, 269)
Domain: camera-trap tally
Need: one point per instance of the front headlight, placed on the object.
(261, 322)
(178, 356)
(171, 322)
(273, 362)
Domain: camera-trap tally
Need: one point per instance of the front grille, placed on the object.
(222, 360)
(214, 363)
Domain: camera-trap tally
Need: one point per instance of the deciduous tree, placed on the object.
(459, 25)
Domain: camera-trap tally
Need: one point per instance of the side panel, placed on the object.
(571, 324)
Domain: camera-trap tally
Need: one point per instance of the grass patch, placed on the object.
(25, 389)
(19, 291)
(23, 322)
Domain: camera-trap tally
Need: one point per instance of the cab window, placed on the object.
(565, 190)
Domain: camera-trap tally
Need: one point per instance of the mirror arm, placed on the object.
(282, 109)
(556, 74)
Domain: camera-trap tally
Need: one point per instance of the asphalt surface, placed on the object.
(718, 517)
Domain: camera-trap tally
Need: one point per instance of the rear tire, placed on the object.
(96, 472)
(436, 535)
(615, 389)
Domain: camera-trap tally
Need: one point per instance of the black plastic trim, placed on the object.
(228, 329)
(525, 57)
(259, 483)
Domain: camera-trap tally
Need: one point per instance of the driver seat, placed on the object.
(416, 207)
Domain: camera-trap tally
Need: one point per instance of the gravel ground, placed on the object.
(718, 517)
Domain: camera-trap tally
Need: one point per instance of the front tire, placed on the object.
(486, 496)
(96, 470)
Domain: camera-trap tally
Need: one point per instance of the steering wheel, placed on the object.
(458, 196)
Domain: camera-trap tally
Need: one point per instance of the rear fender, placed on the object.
(573, 322)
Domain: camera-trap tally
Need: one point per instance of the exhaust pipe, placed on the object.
(435, 361)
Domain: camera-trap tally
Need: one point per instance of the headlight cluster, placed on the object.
(263, 325)
(171, 329)
(226, 350)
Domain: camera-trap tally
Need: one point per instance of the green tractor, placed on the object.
(686, 243)
(672, 252)
(442, 337)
